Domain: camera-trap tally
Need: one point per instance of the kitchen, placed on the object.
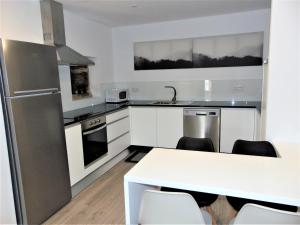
(150, 118)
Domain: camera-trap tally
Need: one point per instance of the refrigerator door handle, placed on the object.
(36, 91)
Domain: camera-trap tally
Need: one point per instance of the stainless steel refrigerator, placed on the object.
(31, 97)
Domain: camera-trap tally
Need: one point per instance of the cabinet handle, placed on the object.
(93, 131)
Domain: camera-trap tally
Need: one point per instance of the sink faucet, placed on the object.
(174, 96)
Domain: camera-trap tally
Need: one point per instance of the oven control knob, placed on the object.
(98, 121)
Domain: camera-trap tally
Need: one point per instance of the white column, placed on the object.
(281, 108)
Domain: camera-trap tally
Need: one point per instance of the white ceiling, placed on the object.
(131, 12)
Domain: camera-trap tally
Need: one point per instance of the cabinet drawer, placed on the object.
(117, 115)
(117, 128)
(117, 146)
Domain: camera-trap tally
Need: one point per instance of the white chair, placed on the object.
(256, 214)
(159, 207)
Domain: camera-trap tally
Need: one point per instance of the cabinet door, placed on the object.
(75, 153)
(169, 126)
(118, 145)
(143, 126)
(236, 124)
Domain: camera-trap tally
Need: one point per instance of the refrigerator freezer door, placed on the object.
(29, 67)
(40, 150)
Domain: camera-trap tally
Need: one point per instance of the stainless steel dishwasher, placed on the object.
(202, 123)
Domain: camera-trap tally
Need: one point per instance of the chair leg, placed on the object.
(213, 215)
(232, 214)
(223, 211)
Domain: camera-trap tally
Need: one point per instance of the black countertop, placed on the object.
(81, 114)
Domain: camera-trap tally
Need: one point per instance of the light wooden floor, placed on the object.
(103, 202)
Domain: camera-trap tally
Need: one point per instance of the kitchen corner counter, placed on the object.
(81, 114)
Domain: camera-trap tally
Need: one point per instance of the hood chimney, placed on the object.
(54, 34)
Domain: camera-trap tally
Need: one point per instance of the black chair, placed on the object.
(257, 148)
(196, 144)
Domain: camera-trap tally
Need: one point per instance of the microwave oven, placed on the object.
(116, 95)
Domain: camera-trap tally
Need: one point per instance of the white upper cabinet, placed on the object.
(169, 126)
(236, 123)
(75, 153)
(143, 126)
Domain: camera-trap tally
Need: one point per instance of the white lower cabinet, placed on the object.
(236, 123)
(118, 140)
(156, 126)
(153, 126)
(169, 126)
(143, 126)
(75, 152)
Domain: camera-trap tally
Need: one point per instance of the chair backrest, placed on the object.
(197, 144)
(159, 207)
(256, 214)
(258, 148)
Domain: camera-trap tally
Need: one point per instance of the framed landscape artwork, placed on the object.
(218, 51)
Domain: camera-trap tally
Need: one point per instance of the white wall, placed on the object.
(282, 106)
(7, 206)
(94, 40)
(124, 37)
(21, 20)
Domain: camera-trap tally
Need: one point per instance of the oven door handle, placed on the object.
(93, 131)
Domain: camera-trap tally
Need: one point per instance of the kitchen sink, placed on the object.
(172, 103)
(163, 103)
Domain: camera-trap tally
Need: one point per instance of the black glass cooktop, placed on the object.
(94, 110)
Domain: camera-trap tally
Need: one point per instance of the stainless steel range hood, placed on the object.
(54, 34)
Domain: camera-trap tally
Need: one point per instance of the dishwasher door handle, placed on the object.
(201, 114)
(207, 114)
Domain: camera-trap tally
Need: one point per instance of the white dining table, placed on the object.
(254, 177)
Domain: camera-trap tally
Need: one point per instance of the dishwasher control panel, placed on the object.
(201, 112)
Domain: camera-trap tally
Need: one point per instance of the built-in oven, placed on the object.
(94, 139)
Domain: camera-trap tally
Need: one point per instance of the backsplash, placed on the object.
(210, 90)
(196, 90)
